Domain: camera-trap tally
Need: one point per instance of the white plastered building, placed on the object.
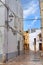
(32, 36)
(11, 44)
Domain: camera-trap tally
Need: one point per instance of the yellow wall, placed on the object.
(26, 40)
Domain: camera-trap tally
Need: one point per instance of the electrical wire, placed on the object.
(13, 14)
(24, 19)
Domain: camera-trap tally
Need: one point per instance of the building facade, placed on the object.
(11, 27)
(26, 40)
(34, 40)
(41, 11)
(40, 41)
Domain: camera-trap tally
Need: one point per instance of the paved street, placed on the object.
(30, 58)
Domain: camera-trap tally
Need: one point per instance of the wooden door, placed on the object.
(40, 46)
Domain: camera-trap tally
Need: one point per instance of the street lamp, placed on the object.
(11, 17)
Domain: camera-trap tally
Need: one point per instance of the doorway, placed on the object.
(18, 47)
(40, 46)
(35, 44)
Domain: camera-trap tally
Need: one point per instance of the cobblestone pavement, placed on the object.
(29, 58)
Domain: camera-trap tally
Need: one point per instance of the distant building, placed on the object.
(33, 30)
(11, 41)
(34, 40)
(26, 40)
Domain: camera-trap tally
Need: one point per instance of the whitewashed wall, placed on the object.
(2, 15)
(9, 44)
(1, 39)
(31, 40)
(2, 24)
(8, 41)
(12, 41)
(15, 6)
(21, 44)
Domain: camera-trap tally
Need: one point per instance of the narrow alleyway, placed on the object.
(30, 58)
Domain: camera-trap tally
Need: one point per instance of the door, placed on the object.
(35, 44)
(18, 47)
(40, 46)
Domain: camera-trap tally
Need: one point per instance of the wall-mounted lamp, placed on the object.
(10, 17)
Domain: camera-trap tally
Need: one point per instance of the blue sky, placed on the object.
(31, 10)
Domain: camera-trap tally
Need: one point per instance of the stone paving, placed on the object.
(29, 58)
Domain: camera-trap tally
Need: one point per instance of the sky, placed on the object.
(31, 10)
